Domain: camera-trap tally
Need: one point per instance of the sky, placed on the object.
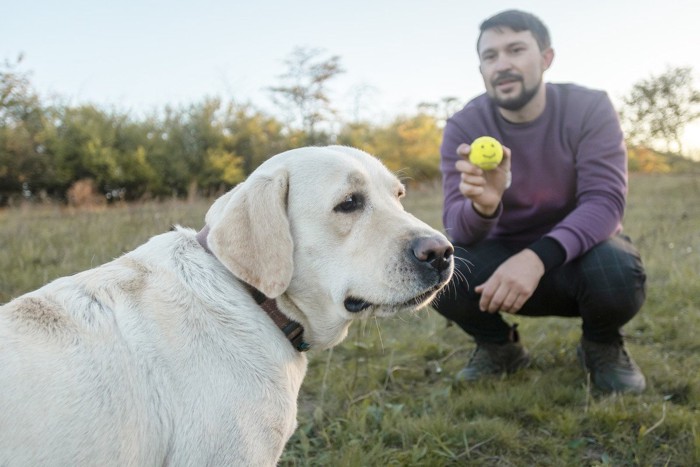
(141, 55)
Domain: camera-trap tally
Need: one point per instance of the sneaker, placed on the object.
(495, 359)
(610, 366)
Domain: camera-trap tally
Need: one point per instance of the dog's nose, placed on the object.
(435, 251)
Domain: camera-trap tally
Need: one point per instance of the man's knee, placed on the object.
(614, 277)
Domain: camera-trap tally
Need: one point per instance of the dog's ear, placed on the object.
(250, 234)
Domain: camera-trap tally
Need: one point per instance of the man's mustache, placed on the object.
(505, 76)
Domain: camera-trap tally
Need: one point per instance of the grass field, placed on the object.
(385, 396)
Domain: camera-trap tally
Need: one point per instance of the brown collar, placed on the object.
(292, 330)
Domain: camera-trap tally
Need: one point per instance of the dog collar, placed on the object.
(293, 331)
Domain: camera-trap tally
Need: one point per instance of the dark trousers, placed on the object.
(605, 287)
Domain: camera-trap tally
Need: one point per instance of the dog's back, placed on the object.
(145, 360)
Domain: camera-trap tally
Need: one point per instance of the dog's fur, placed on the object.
(163, 357)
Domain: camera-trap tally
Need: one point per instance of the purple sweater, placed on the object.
(569, 169)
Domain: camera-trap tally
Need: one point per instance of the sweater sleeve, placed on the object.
(601, 165)
(462, 223)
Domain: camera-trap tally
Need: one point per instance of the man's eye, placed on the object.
(351, 203)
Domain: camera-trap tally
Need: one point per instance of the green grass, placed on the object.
(386, 397)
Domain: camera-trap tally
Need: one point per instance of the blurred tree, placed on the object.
(642, 159)
(107, 147)
(409, 145)
(441, 110)
(363, 96)
(413, 146)
(25, 167)
(202, 135)
(133, 176)
(657, 109)
(361, 135)
(185, 136)
(222, 170)
(304, 92)
(165, 152)
(83, 146)
(254, 136)
(208, 146)
(16, 95)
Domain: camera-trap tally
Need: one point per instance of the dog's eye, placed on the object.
(351, 203)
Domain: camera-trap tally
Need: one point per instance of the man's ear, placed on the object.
(547, 58)
(250, 233)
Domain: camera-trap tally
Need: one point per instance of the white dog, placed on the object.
(167, 355)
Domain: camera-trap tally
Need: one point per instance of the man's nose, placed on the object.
(502, 63)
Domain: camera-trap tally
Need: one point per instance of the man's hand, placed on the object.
(483, 187)
(512, 284)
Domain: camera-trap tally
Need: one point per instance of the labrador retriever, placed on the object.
(188, 351)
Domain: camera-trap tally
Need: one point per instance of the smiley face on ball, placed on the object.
(486, 153)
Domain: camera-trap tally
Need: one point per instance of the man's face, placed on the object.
(512, 65)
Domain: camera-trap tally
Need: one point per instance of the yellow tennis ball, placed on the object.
(486, 153)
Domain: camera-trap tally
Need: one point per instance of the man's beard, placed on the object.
(517, 102)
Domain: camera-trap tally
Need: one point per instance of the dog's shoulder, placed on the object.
(172, 333)
(90, 301)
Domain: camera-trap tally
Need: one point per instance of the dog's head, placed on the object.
(323, 231)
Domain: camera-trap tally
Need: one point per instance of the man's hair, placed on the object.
(517, 21)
